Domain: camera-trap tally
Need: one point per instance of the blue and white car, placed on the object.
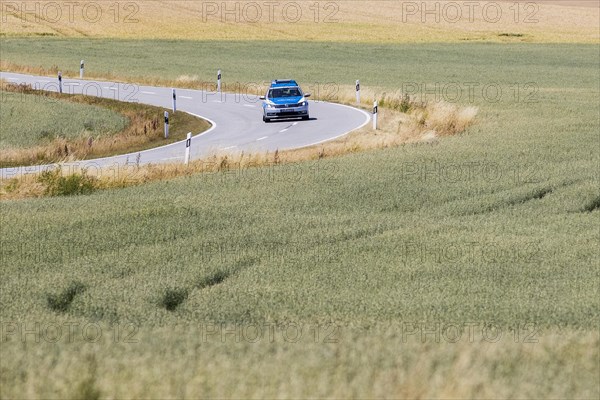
(285, 99)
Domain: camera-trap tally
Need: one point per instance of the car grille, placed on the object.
(288, 105)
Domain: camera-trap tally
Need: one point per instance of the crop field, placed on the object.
(466, 267)
(386, 67)
(62, 126)
(47, 120)
(347, 21)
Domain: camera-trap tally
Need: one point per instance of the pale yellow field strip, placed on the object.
(552, 21)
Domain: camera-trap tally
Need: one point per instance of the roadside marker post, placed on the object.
(358, 92)
(174, 101)
(188, 143)
(60, 90)
(375, 112)
(81, 66)
(166, 124)
(219, 81)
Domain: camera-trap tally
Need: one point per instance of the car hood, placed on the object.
(287, 100)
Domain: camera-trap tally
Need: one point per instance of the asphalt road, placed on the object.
(236, 121)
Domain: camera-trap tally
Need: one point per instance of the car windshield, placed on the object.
(284, 92)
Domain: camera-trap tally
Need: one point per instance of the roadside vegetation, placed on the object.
(45, 127)
(420, 122)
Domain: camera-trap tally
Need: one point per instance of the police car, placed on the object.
(285, 99)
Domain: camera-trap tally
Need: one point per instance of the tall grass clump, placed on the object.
(55, 184)
(448, 119)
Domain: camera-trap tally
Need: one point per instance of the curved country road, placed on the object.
(236, 121)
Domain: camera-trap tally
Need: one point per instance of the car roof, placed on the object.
(278, 83)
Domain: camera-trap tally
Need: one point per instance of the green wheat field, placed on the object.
(464, 268)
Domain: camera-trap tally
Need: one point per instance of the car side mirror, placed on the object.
(262, 97)
(307, 95)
